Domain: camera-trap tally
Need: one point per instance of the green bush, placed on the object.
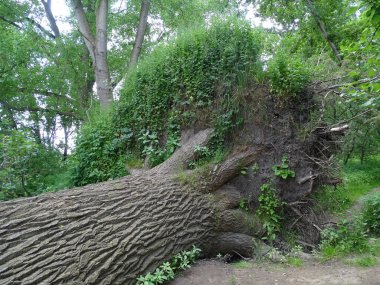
(288, 74)
(167, 270)
(345, 238)
(371, 213)
(194, 78)
(28, 168)
(99, 152)
(269, 211)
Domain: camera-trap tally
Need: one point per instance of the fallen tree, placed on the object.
(110, 233)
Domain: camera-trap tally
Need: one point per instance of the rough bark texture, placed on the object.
(112, 232)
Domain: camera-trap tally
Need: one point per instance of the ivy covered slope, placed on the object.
(190, 81)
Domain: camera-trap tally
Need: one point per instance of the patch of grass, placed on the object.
(295, 261)
(134, 161)
(358, 180)
(242, 264)
(365, 261)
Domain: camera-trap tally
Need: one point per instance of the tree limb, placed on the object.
(84, 27)
(50, 16)
(40, 109)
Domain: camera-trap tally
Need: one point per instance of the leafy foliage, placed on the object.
(94, 149)
(193, 78)
(283, 170)
(269, 211)
(28, 168)
(167, 270)
(371, 213)
(288, 74)
(345, 238)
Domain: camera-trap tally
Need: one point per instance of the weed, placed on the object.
(371, 213)
(241, 264)
(255, 168)
(283, 170)
(243, 204)
(268, 211)
(295, 261)
(233, 280)
(346, 238)
(365, 261)
(166, 271)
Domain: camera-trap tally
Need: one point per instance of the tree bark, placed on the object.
(321, 26)
(139, 39)
(97, 48)
(112, 232)
(51, 19)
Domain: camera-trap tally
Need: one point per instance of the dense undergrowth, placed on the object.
(193, 80)
(358, 210)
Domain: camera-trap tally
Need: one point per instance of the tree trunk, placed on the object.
(112, 232)
(102, 77)
(97, 48)
(325, 35)
(51, 19)
(140, 33)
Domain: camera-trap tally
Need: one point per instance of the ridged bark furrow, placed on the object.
(107, 233)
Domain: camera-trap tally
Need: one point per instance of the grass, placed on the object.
(358, 180)
(295, 261)
(366, 261)
(242, 264)
(349, 240)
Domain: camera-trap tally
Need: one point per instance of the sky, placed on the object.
(61, 10)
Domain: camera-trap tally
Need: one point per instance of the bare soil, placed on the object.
(211, 272)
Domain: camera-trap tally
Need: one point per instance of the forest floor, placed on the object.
(312, 270)
(210, 272)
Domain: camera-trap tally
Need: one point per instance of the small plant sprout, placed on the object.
(255, 168)
(283, 170)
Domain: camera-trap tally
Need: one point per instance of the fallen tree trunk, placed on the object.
(112, 232)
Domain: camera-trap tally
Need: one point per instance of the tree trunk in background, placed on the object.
(321, 26)
(97, 48)
(102, 77)
(50, 16)
(139, 39)
(112, 232)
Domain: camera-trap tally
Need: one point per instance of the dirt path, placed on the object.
(209, 272)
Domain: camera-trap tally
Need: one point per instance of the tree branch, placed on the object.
(364, 80)
(84, 27)
(322, 28)
(10, 22)
(139, 39)
(42, 29)
(40, 109)
(50, 16)
(45, 93)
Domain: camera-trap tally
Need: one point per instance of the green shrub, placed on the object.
(29, 168)
(269, 211)
(288, 74)
(371, 213)
(100, 151)
(346, 238)
(167, 270)
(196, 77)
